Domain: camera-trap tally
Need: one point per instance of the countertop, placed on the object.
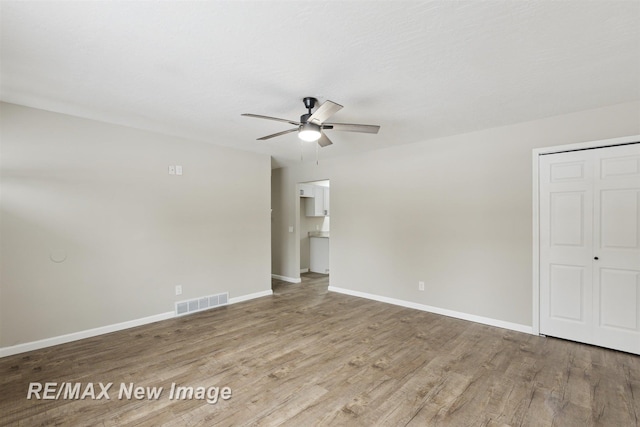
(323, 234)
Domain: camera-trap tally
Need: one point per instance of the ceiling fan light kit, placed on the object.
(311, 125)
(309, 132)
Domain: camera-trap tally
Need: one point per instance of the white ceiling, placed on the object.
(419, 69)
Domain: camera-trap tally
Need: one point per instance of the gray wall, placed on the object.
(101, 194)
(454, 212)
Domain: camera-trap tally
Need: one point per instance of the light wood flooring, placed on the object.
(306, 357)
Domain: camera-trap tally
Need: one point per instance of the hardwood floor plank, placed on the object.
(305, 356)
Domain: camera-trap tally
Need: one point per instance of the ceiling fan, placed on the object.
(311, 125)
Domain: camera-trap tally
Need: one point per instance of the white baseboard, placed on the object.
(241, 298)
(436, 310)
(286, 279)
(75, 336)
(304, 270)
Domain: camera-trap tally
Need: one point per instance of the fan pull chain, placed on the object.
(301, 152)
(317, 154)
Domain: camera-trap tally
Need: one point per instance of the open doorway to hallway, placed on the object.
(315, 226)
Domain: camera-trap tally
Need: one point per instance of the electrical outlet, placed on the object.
(178, 289)
(178, 170)
(421, 286)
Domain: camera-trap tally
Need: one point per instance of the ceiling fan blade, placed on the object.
(257, 116)
(284, 132)
(326, 110)
(324, 141)
(351, 127)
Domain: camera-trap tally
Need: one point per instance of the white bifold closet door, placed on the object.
(590, 246)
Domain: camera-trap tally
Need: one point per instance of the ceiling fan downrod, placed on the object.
(309, 104)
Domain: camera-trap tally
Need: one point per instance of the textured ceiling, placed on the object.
(419, 69)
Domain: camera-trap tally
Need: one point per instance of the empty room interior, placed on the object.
(320, 213)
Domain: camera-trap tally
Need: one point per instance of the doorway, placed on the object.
(314, 226)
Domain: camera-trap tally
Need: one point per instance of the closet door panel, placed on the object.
(617, 248)
(566, 240)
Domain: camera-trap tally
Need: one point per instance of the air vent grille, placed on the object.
(201, 303)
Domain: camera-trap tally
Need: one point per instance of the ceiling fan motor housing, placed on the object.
(304, 118)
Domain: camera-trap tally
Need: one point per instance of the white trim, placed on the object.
(254, 295)
(536, 209)
(436, 310)
(286, 279)
(75, 336)
(587, 145)
(535, 233)
(304, 270)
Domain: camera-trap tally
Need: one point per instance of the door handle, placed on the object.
(596, 258)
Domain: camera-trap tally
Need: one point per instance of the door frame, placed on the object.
(537, 152)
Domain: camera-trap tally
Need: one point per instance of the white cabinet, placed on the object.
(319, 204)
(306, 190)
(319, 256)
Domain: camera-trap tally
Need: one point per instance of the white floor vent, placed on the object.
(202, 303)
